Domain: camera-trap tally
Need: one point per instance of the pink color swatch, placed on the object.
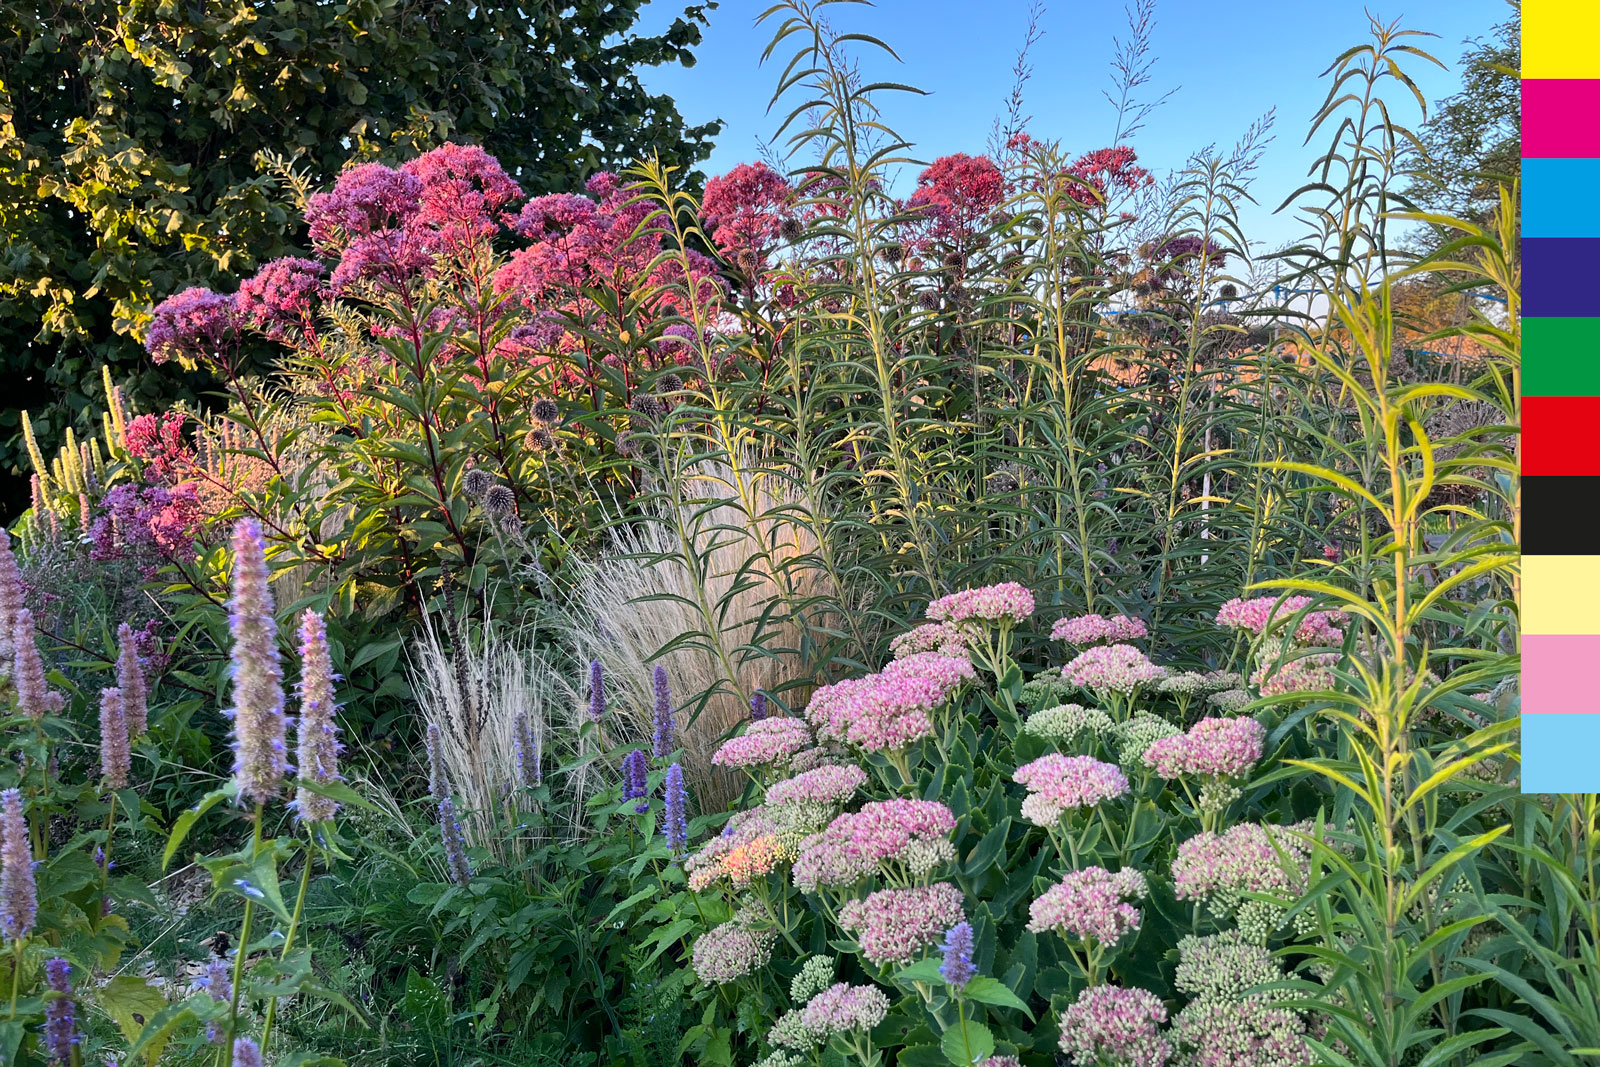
(1560, 118)
(1559, 674)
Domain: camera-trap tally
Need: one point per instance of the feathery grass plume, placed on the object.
(19, 895)
(35, 698)
(527, 751)
(662, 739)
(246, 1053)
(317, 733)
(259, 727)
(130, 679)
(597, 691)
(438, 777)
(634, 780)
(60, 1013)
(11, 601)
(455, 843)
(676, 823)
(114, 758)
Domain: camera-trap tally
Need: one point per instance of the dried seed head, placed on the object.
(546, 410)
(894, 253)
(928, 300)
(477, 482)
(669, 383)
(791, 229)
(500, 502)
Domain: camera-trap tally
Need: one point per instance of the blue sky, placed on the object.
(1229, 62)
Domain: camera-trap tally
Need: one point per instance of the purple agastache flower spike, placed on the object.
(664, 726)
(19, 895)
(634, 784)
(455, 843)
(317, 733)
(114, 758)
(246, 1053)
(758, 706)
(10, 596)
(130, 679)
(597, 691)
(438, 777)
(259, 728)
(35, 698)
(677, 811)
(60, 1013)
(219, 984)
(957, 968)
(527, 751)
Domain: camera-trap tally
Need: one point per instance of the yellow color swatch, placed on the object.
(1561, 594)
(1561, 39)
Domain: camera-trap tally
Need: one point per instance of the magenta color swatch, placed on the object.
(1558, 674)
(1560, 118)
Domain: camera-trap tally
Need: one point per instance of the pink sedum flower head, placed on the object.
(832, 784)
(731, 951)
(909, 837)
(1090, 905)
(1302, 674)
(890, 709)
(1247, 858)
(1084, 630)
(1261, 614)
(1118, 668)
(318, 735)
(1223, 748)
(842, 1008)
(941, 637)
(1248, 1032)
(1112, 1026)
(1008, 603)
(1057, 783)
(896, 925)
(259, 728)
(770, 740)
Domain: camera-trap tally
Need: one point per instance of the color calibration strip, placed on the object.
(1561, 396)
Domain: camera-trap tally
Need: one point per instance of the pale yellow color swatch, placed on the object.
(1561, 39)
(1561, 594)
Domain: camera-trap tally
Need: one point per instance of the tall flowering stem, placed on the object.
(258, 721)
(19, 895)
(318, 735)
(131, 680)
(662, 741)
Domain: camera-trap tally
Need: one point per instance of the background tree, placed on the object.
(142, 145)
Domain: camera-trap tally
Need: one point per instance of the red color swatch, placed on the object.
(1560, 118)
(1560, 435)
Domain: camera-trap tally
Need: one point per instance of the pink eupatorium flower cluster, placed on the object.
(842, 1008)
(941, 637)
(1115, 1026)
(1083, 630)
(145, 517)
(1008, 603)
(731, 951)
(464, 194)
(744, 209)
(366, 199)
(1263, 613)
(114, 754)
(257, 712)
(1097, 175)
(281, 297)
(832, 785)
(157, 442)
(771, 740)
(1090, 905)
(890, 709)
(955, 195)
(914, 834)
(1121, 668)
(1226, 748)
(316, 731)
(192, 324)
(1056, 783)
(895, 925)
